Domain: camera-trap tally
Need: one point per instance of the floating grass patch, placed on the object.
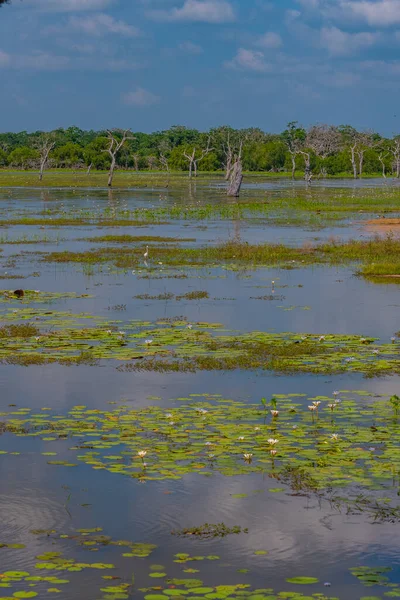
(210, 531)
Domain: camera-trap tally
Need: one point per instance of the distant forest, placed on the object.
(321, 150)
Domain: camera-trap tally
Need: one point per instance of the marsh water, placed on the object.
(290, 534)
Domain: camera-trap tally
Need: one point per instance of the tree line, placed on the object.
(320, 150)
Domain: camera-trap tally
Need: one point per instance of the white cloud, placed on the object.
(37, 61)
(375, 13)
(249, 60)
(67, 5)
(101, 24)
(190, 48)
(340, 43)
(270, 40)
(201, 11)
(140, 97)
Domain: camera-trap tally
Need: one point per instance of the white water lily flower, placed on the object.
(37, 291)
(248, 456)
(241, 438)
(335, 436)
(321, 338)
(272, 441)
(257, 428)
(312, 407)
(208, 444)
(190, 326)
(203, 411)
(37, 338)
(274, 413)
(211, 456)
(332, 406)
(142, 453)
(122, 333)
(148, 342)
(168, 416)
(172, 422)
(273, 452)
(393, 339)
(336, 393)
(375, 351)
(316, 403)
(109, 331)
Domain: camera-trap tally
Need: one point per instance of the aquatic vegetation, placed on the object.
(377, 251)
(210, 531)
(177, 346)
(305, 458)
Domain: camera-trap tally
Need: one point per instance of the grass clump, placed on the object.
(18, 331)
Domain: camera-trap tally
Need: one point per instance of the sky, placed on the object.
(151, 64)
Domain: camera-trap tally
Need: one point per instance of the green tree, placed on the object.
(95, 154)
(294, 137)
(68, 155)
(23, 157)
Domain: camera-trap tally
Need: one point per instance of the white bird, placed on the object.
(146, 254)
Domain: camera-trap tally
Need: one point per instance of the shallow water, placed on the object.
(302, 535)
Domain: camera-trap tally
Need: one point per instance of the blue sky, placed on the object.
(150, 64)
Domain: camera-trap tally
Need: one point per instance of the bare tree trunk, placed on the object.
(111, 173)
(360, 162)
(293, 156)
(89, 169)
(45, 145)
(381, 158)
(193, 161)
(236, 178)
(136, 162)
(228, 166)
(353, 161)
(307, 167)
(114, 148)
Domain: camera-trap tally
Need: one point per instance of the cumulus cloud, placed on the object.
(270, 40)
(248, 60)
(340, 43)
(101, 24)
(68, 5)
(140, 97)
(379, 13)
(201, 11)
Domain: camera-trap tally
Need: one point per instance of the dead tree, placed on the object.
(395, 150)
(381, 158)
(152, 162)
(89, 169)
(44, 146)
(353, 149)
(236, 175)
(307, 166)
(324, 140)
(164, 162)
(136, 158)
(114, 147)
(194, 159)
